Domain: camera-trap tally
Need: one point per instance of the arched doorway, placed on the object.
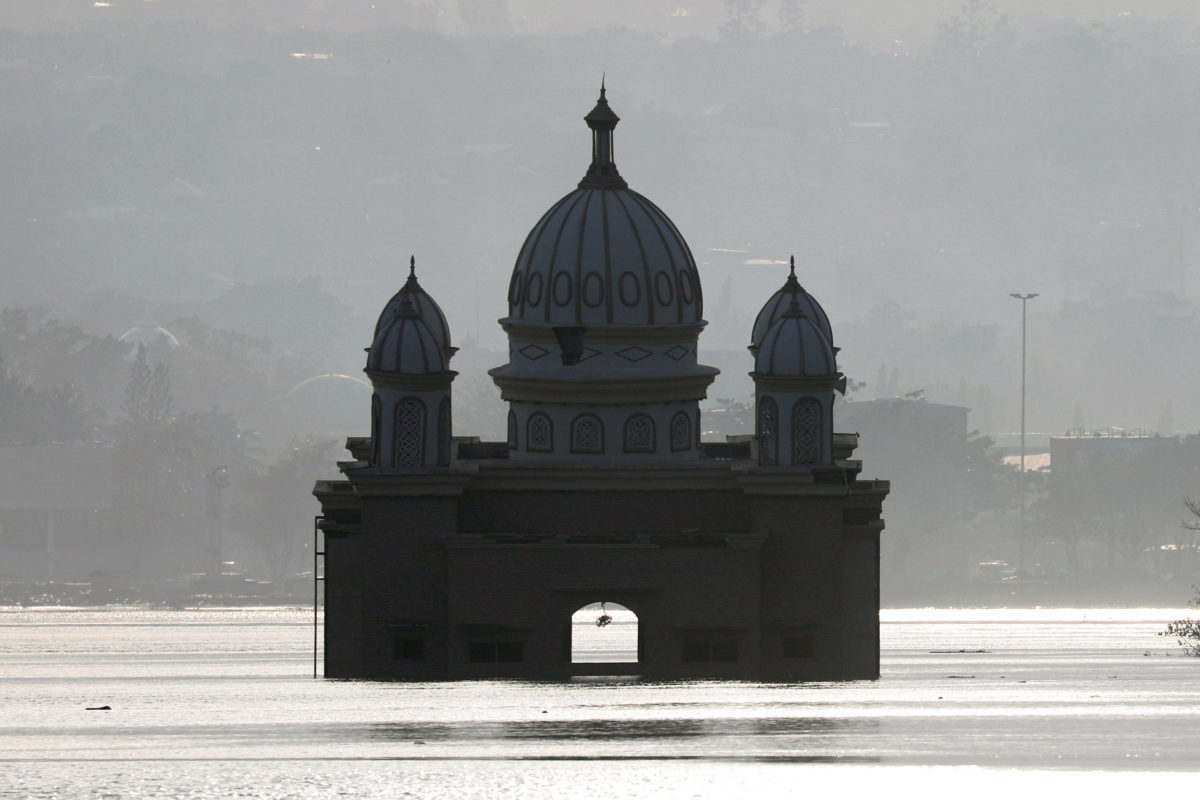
(604, 633)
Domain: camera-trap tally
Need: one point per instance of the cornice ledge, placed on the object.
(410, 483)
(608, 334)
(413, 383)
(787, 481)
(777, 383)
(661, 389)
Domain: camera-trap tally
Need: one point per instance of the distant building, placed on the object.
(150, 335)
(450, 558)
(902, 420)
(55, 490)
(1080, 451)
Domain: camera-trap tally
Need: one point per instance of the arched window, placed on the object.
(639, 434)
(768, 431)
(681, 431)
(444, 434)
(587, 434)
(512, 430)
(806, 431)
(376, 422)
(539, 433)
(410, 433)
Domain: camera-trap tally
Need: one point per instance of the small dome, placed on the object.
(604, 255)
(406, 346)
(794, 347)
(778, 305)
(428, 310)
(149, 334)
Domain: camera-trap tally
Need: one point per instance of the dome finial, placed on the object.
(602, 174)
(412, 266)
(792, 284)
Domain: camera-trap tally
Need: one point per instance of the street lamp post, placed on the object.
(218, 482)
(1024, 298)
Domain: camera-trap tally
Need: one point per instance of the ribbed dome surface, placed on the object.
(427, 309)
(794, 347)
(605, 256)
(775, 307)
(406, 346)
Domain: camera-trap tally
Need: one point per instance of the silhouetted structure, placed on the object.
(454, 558)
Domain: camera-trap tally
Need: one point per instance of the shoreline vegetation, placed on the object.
(198, 591)
(236, 591)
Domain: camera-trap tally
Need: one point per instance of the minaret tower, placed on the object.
(795, 376)
(407, 366)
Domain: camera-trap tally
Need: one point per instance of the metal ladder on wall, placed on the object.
(318, 554)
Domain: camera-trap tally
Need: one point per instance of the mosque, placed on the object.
(753, 559)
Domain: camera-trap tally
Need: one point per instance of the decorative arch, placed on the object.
(409, 433)
(512, 430)
(587, 434)
(806, 431)
(444, 432)
(681, 431)
(768, 431)
(639, 434)
(539, 433)
(376, 425)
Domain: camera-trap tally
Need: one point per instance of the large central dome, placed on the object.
(604, 255)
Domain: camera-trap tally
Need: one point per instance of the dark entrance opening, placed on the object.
(604, 640)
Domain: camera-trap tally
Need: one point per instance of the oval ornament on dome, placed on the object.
(630, 289)
(686, 290)
(593, 290)
(663, 289)
(562, 289)
(533, 289)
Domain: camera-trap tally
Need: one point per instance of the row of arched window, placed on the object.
(409, 433)
(587, 433)
(806, 431)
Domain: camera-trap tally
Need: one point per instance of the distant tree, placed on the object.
(159, 460)
(742, 18)
(56, 414)
(276, 512)
(978, 29)
(791, 15)
(1120, 499)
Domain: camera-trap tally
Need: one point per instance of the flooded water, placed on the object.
(221, 703)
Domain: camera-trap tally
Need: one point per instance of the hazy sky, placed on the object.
(165, 152)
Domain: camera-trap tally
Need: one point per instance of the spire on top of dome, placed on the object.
(602, 174)
(792, 284)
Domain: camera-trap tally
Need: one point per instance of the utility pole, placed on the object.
(1024, 298)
